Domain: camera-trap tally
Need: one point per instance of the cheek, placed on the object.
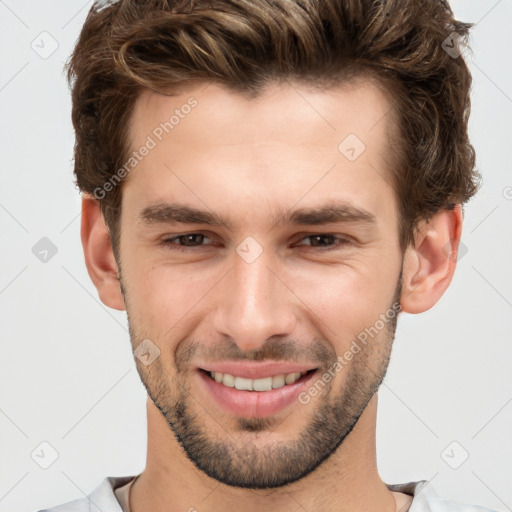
(163, 295)
(343, 301)
(340, 300)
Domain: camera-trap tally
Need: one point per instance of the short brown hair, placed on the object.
(245, 45)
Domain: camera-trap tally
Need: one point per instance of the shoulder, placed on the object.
(425, 499)
(102, 498)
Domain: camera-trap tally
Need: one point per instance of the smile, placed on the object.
(258, 397)
(263, 384)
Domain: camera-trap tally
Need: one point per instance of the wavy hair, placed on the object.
(244, 45)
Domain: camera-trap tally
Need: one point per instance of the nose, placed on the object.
(255, 304)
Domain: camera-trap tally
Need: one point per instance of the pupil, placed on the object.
(189, 239)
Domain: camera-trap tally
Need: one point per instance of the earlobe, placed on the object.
(99, 255)
(429, 263)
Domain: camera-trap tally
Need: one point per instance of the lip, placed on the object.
(254, 404)
(256, 370)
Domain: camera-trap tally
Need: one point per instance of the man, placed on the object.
(267, 186)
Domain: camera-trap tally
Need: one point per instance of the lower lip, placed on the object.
(254, 404)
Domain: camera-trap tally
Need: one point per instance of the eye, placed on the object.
(323, 241)
(186, 240)
(333, 241)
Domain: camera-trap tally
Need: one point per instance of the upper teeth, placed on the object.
(265, 384)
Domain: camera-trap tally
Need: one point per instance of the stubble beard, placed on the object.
(240, 462)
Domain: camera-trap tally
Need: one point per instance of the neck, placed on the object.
(347, 481)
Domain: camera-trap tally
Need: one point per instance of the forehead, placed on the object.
(358, 106)
(216, 146)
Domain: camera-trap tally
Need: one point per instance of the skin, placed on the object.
(248, 159)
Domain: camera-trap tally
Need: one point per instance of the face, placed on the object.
(260, 249)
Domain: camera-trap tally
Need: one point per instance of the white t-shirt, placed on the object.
(113, 492)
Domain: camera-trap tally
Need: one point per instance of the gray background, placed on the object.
(67, 372)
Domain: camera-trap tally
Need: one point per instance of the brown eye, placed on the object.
(186, 240)
(326, 241)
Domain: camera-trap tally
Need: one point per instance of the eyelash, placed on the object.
(168, 242)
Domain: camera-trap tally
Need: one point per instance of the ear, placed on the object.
(429, 262)
(99, 255)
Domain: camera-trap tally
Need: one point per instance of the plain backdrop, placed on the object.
(68, 379)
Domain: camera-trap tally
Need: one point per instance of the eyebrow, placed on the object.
(173, 213)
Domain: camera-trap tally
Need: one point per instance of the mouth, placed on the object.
(262, 384)
(259, 397)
